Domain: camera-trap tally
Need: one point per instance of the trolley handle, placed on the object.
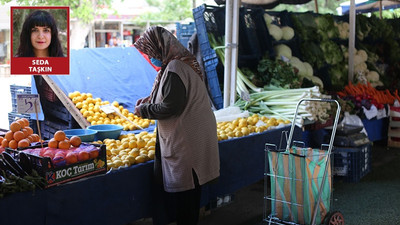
(289, 141)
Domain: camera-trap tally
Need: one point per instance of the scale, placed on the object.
(348, 135)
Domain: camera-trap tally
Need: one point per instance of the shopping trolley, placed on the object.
(300, 180)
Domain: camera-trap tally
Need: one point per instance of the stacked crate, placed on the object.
(184, 32)
(16, 90)
(394, 127)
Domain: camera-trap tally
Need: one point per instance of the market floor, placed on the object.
(374, 200)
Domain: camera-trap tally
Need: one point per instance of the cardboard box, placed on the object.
(56, 175)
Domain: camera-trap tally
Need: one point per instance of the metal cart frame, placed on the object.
(332, 218)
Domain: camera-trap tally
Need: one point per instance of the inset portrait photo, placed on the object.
(40, 40)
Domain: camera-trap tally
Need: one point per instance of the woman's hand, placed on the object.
(142, 100)
(137, 110)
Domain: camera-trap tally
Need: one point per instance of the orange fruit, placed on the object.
(59, 135)
(31, 138)
(1, 139)
(64, 144)
(36, 137)
(9, 135)
(25, 132)
(19, 135)
(4, 143)
(29, 129)
(21, 122)
(23, 143)
(71, 158)
(13, 144)
(75, 141)
(53, 143)
(26, 122)
(15, 126)
(83, 155)
(93, 154)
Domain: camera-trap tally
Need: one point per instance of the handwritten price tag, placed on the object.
(108, 108)
(26, 103)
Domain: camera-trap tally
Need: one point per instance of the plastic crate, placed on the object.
(184, 32)
(203, 19)
(56, 110)
(48, 93)
(352, 164)
(213, 81)
(15, 90)
(51, 125)
(12, 116)
(211, 19)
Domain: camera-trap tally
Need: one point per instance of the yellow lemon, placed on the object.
(140, 159)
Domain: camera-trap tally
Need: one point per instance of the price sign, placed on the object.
(28, 103)
(108, 108)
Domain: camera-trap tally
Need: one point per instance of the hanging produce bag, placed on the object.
(296, 177)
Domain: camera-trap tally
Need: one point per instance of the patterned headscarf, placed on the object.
(159, 43)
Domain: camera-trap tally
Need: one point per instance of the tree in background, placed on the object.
(167, 10)
(324, 6)
(82, 14)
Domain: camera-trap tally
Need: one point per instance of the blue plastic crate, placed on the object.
(352, 164)
(210, 58)
(213, 82)
(184, 32)
(15, 90)
(13, 116)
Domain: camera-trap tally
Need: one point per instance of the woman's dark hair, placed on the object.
(39, 18)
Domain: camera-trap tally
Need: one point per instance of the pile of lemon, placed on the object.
(90, 109)
(244, 126)
(130, 149)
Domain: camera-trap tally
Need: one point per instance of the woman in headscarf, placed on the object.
(187, 154)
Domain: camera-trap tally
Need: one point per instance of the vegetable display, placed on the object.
(281, 103)
(365, 95)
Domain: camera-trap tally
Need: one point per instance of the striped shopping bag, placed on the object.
(296, 177)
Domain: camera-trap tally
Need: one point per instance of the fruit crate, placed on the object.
(351, 164)
(184, 32)
(13, 116)
(56, 110)
(55, 175)
(15, 90)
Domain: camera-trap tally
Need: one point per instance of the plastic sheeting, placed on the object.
(112, 74)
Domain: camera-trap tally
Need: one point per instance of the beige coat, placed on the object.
(188, 141)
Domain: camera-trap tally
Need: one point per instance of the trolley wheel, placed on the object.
(334, 218)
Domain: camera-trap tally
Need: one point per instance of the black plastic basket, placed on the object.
(352, 164)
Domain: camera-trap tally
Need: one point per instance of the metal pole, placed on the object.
(234, 50)
(352, 22)
(228, 51)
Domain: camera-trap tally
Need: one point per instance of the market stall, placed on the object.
(124, 195)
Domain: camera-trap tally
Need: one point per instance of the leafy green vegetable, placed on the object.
(278, 73)
(332, 52)
(326, 26)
